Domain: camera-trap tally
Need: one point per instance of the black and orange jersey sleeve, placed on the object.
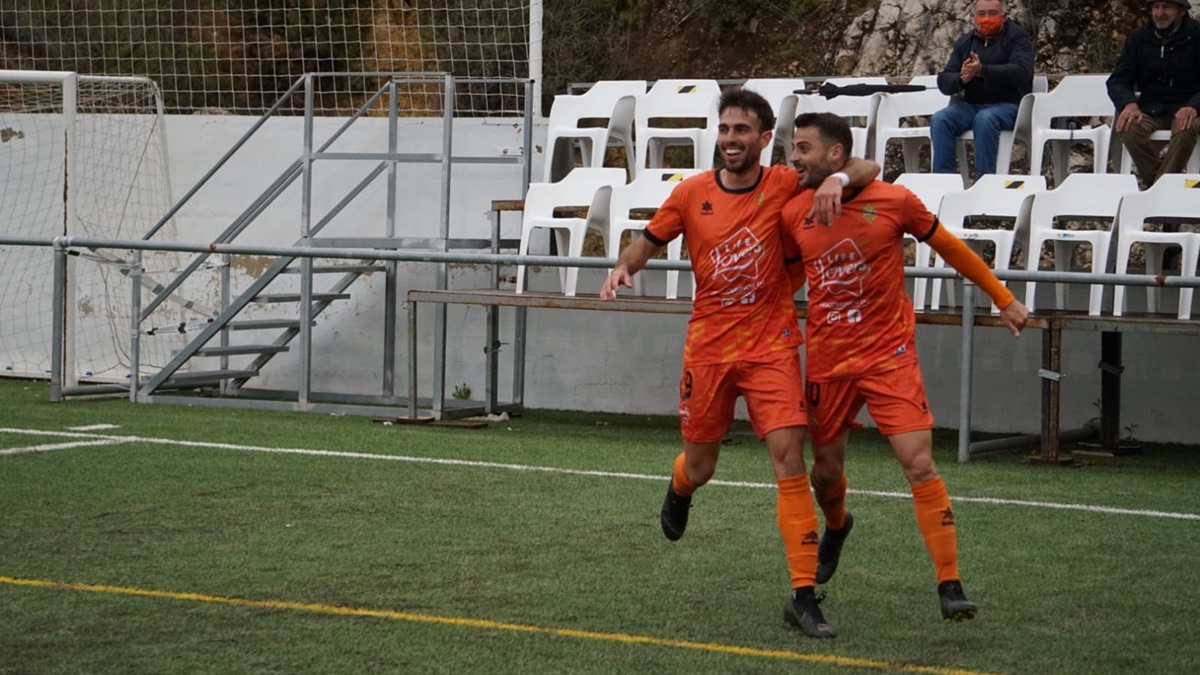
(667, 223)
(915, 218)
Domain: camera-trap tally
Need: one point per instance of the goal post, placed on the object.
(81, 156)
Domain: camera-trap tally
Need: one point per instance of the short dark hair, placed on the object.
(752, 101)
(833, 129)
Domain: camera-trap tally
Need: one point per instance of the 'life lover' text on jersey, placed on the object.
(742, 301)
(860, 319)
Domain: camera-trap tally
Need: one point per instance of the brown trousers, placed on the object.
(1145, 153)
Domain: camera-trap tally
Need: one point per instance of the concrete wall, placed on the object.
(600, 361)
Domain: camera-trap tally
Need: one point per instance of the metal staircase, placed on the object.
(219, 328)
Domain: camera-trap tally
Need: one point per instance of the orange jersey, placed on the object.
(743, 304)
(860, 319)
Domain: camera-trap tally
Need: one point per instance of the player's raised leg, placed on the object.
(693, 468)
(935, 518)
(829, 484)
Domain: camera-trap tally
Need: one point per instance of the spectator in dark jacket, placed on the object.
(989, 70)
(1161, 61)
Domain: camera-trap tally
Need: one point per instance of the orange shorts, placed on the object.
(770, 384)
(895, 399)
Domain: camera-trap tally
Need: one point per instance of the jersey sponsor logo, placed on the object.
(842, 269)
(706, 208)
(737, 257)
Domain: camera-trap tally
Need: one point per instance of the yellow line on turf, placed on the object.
(493, 625)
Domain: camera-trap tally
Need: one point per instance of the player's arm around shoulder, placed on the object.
(827, 200)
(1013, 314)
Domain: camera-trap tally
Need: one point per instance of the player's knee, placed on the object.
(826, 471)
(920, 468)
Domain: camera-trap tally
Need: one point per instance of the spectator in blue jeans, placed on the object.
(989, 70)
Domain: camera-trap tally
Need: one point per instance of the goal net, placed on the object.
(240, 57)
(86, 157)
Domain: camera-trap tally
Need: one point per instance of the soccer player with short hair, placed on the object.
(743, 334)
(861, 341)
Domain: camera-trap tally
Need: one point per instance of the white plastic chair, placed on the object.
(1081, 196)
(1019, 133)
(683, 100)
(996, 196)
(780, 92)
(1172, 196)
(890, 113)
(648, 191)
(929, 188)
(585, 187)
(853, 107)
(611, 100)
(1075, 96)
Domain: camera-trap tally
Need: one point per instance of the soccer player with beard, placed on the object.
(861, 342)
(743, 334)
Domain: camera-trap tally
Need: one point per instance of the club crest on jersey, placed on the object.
(761, 197)
(737, 256)
(842, 269)
(870, 213)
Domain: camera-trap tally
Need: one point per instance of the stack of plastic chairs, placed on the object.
(1076, 97)
(781, 94)
(860, 110)
(1173, 197)
(893, 109)
(993, 196)
(648, 191)
(683, 101)
(612, 100)
(930, 188)
(1081, 196)
(587, 189)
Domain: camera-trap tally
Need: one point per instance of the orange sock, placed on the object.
(679, 480)
(797, 519)
(935, 517)
(833, 503)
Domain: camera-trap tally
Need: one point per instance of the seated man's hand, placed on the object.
(1130, 116)
(971, 68)
(1184, 118)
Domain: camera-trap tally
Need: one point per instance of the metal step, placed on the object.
(263, 324)
(198, 377)
(338, 269)
(235, 350)
(295, 297)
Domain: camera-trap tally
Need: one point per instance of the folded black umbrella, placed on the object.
(831, 90)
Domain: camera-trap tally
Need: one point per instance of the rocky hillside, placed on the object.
(771, 38)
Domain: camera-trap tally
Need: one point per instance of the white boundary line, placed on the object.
(110, 439)
(59, 446)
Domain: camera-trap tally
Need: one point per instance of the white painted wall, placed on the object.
(600, 361)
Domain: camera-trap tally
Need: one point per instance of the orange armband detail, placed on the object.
(969, 265)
